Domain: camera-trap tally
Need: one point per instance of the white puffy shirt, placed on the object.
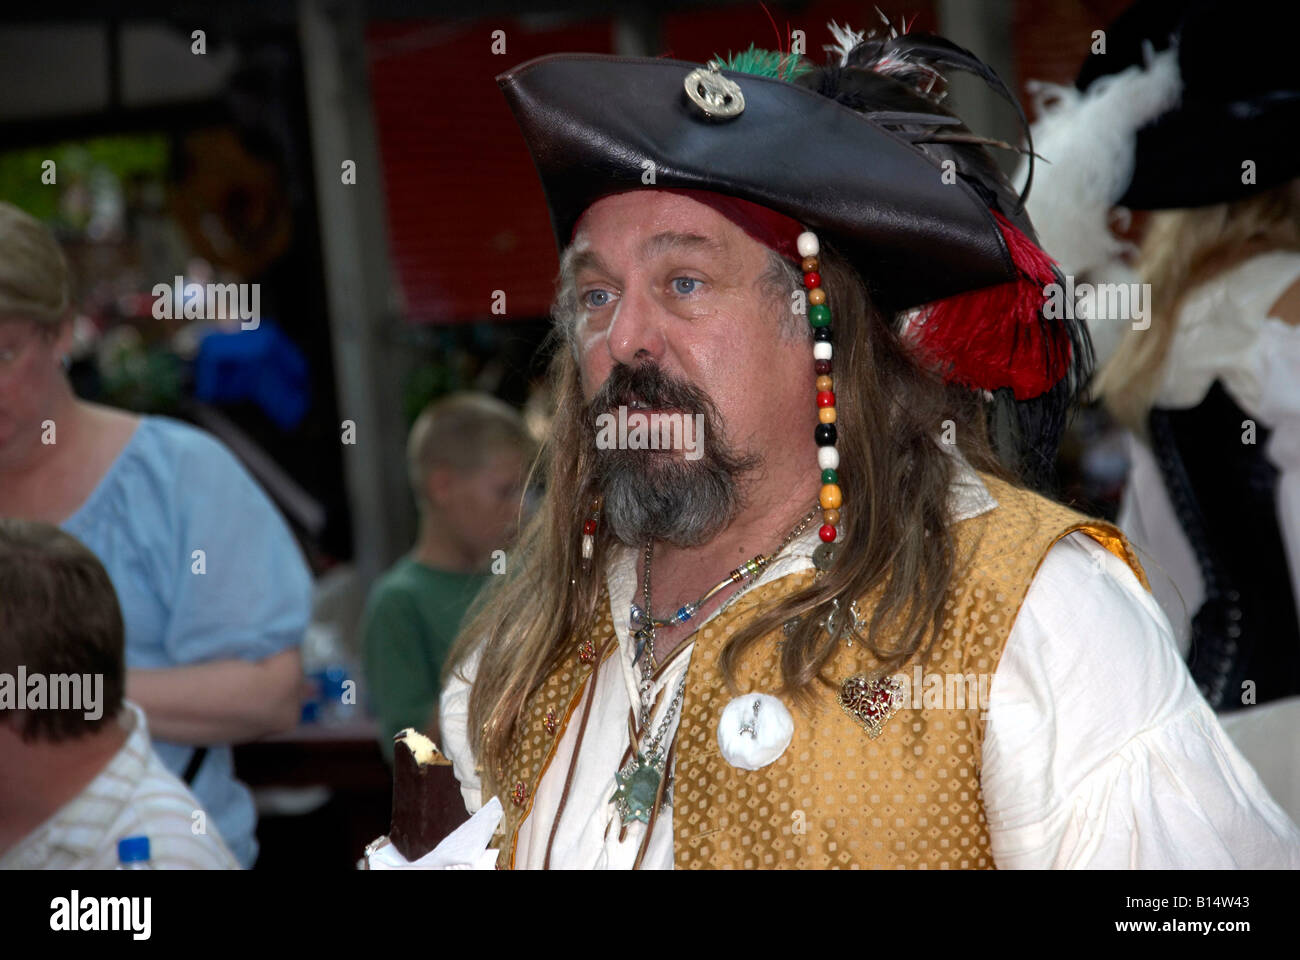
(1098, 752)
(1224, 333)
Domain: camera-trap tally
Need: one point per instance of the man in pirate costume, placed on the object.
(769, 651)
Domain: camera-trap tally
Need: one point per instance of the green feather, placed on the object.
(764, 63)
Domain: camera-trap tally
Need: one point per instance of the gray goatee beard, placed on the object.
(651, 494)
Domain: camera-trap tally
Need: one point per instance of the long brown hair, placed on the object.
(897, 542)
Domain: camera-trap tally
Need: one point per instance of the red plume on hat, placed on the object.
(997, 337)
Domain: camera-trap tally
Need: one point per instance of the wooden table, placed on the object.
(344, 758)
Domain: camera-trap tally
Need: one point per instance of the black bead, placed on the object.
(822, 333)
(825, 434)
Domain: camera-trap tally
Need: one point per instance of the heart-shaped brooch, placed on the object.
(871, 702)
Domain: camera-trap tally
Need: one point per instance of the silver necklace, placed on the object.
(639, 780)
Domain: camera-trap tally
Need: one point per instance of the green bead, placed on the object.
(819, 315)
(830, 476)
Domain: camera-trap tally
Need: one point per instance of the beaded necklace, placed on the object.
(640, 778)
(645, 623)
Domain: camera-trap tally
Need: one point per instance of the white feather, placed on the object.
(846, 38)
(1088, 141)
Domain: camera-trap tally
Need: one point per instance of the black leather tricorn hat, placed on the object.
(861, 151)
(592, 122)
(1240, 99)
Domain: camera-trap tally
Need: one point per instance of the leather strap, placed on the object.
(192, 768)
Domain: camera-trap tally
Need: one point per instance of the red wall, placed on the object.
(465, 210)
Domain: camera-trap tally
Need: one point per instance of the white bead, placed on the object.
(828, 458)
(588, 546)
(807, 244)
(822, 350)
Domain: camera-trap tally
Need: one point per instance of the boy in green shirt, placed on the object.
(467, 456)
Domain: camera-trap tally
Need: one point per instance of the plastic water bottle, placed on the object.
(326, 665)
(133, 854)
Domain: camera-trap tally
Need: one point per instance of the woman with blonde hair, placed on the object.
(1207, 377)
(214, 591)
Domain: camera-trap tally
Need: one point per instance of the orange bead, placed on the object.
(831, 518)
(816, 296)
(824, 382)
(809, 264)
(826, 414)
(831, 497)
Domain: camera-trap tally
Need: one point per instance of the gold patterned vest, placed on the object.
(836, 797)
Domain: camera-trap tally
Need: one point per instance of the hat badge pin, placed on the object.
(716, 96)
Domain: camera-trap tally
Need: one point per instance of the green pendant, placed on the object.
(638, 786)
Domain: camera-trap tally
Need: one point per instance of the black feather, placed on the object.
(916, 59)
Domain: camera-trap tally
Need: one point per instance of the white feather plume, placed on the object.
(846, 38)
(1089, 141)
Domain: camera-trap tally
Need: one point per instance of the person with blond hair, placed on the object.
(214, 591)
(1211, 396)
(467, 456)
(1206, 376)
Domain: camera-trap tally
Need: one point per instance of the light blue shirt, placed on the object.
(172, 491)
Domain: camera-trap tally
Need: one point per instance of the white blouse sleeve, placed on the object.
(1279, 359)
(1099, 752)
(453, 719)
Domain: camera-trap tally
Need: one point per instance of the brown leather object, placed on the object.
(427, 804)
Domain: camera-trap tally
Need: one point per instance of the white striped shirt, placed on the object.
(135, 795)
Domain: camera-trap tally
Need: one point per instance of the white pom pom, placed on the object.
(822, 350)
(751, 738)
(807, 244)
(828, 458)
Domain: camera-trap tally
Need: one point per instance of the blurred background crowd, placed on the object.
(294, 508)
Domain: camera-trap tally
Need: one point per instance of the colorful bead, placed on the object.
(519, 794)
(586, 651)
(831, 497)
(819, 316)
(551, 721)
(589, 527)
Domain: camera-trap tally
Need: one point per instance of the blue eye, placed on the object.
(677, 281)
(602, 299)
